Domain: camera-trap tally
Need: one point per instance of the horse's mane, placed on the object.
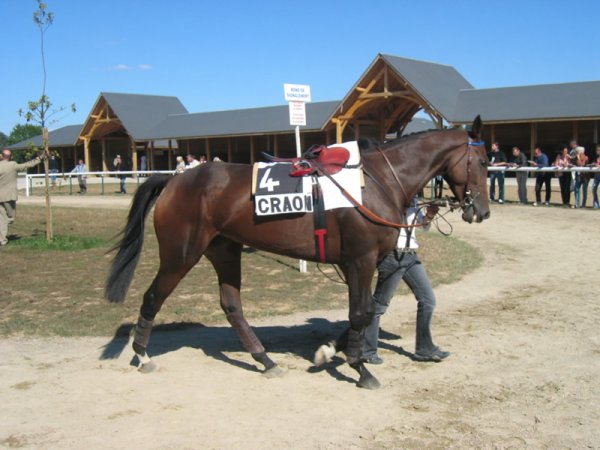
(367, 143)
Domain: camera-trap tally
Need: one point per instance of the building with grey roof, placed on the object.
(384, 101)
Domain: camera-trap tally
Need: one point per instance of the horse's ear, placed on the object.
(475, 132)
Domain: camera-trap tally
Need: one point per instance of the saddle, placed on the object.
(318, 158)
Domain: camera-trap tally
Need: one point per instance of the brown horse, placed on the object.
(209, 211)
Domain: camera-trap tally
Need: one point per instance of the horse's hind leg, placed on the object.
(225, 256)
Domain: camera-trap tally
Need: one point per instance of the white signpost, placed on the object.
(297, 95)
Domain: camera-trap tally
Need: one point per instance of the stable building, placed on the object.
(383, 103)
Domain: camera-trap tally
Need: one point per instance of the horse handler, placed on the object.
(402, 263)
(8, 190)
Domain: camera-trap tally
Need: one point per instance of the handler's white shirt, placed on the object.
(410, 219)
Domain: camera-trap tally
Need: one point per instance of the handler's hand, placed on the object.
(432, 210)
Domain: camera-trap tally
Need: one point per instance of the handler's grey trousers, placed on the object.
(7, 216)
(395, 267)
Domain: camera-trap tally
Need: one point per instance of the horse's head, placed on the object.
(466, 174)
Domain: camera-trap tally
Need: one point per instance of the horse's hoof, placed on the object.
(370, 383)
(324, 354)
(274, 372)
(147, 367)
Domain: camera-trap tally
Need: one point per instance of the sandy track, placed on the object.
(524, 370)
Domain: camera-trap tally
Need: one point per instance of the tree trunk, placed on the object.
(49, 232)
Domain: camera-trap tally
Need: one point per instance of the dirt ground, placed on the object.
(524, 370)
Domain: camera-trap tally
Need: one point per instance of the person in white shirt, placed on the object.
(400, 264)
(192, 162)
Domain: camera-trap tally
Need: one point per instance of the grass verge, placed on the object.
(60, 293)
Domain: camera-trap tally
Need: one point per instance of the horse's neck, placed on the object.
(419, 161)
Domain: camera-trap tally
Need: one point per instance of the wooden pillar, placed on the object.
(595, 132)
(493, 134)
(104, 163)
(339, 132)
(532, 138)
(86, 153)
(275, 146)
(134, 154)
(251, 149)
(170, 156)
(229, 150)
(152, 162)
(207, 149)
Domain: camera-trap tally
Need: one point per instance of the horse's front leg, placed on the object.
(225, 256)
(359, 275)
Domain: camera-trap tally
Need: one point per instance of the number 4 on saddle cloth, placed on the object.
(293, 186)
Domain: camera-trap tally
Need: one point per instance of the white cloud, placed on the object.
(145, 66)
(120, 67)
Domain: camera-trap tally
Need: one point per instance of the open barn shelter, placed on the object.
(390, 98)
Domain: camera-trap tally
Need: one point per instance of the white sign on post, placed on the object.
(298, 113)
(297, 92)
(297, 95)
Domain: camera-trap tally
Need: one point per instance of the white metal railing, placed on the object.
(99, 176)
(136, 174)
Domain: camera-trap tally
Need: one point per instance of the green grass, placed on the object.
(60, 242)
(60, 293)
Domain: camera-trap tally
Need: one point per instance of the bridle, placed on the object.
(468, 198)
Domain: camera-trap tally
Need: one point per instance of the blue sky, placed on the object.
(218, 55)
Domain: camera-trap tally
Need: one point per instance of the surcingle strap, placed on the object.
(320, 222)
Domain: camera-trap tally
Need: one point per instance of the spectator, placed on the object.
(180, 166)
(540, 160)
(202, 159)
(582, 180)
(80, 170)
(217, 159)
(519, 160)
(497, 159)
(596, 177)
(8, 190)
(120, 167)
(191, 162)
(143, 165)
(563, 161)
(53, 169)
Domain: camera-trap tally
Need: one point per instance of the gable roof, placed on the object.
(137, 113)
(526, 103)
(62, 137)
(437, 84)
(271, 119)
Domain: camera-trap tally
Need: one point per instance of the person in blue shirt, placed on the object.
(543, 178)
(80, 169)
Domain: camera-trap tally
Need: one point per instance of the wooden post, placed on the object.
(170, 156)
(251, 149)
(86, 153)
(275, 146)
(339, 132)
(151, 159)
(532, 138)
(229, 150)
(207, 149)
(134, 154)
(104, 163)
(493, 134)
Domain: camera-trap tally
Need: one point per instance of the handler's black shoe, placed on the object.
(375, 359)
(438, 355)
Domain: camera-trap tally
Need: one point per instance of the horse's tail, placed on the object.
(130, 245)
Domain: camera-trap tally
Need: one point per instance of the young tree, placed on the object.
(41, 110)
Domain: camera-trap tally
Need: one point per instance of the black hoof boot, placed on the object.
(366, 380)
